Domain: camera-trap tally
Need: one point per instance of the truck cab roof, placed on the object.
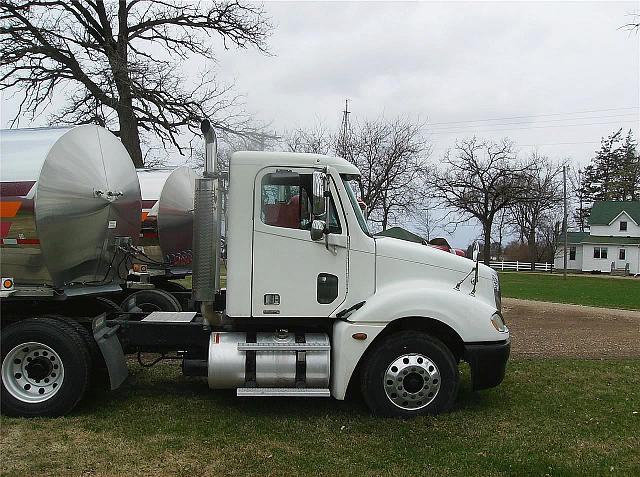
(293, 159)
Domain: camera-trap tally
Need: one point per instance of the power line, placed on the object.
(536, 115)
(559, 143)
(439, 132)
(635, 115)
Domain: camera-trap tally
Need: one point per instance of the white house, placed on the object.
(612, 243)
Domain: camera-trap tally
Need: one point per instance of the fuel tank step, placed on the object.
(283, 347)
(288, 392)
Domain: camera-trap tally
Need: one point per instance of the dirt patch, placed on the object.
(558, 330)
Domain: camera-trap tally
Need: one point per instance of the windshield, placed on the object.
(351, 186)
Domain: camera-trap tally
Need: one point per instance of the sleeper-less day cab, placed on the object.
(314, 304)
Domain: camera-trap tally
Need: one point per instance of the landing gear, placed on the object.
(45, 368)
(410, 374)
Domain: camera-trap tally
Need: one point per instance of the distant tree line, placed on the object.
(612, 174)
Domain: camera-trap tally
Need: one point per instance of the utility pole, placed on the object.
(580, 198)
(343, 141)
(564, 228)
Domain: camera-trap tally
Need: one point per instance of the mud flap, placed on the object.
(111, 350)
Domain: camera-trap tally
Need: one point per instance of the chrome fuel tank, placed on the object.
(65, 195)
(167, 218)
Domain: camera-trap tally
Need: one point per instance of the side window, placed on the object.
(287, 203)
(596, 252)
(572, 253)
(623, 226)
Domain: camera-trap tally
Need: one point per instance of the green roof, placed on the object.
(611, 240)
(603, 212)
(576, 237)
(402, 234)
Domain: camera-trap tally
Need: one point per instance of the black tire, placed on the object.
(65, 341)
(96, 361)
(416, 346)
(148, 301)
(108, 306)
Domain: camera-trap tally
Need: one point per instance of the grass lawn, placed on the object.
(581, 290)
(553, 417)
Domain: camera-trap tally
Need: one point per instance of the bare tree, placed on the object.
(541, 196)
(391, 156)
(120, 63)
(479, 179)
(316, 140)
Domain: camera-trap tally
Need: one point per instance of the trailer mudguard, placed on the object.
(111, 350)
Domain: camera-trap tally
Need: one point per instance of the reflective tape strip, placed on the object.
(9, 208)
(13, 241)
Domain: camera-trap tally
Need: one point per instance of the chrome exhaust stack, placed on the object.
(207, 218)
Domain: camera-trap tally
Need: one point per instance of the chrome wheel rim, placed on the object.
(32, 372)
(412, 381)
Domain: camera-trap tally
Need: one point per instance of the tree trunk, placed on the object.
(486, 250)
(533, 252)
(119, 61)
(129, 134)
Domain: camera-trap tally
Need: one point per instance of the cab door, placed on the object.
(293, 276)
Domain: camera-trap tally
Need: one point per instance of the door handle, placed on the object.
(337, 240)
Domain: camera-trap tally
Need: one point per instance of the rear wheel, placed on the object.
(148, 301)
(45, 368)
(410, 374)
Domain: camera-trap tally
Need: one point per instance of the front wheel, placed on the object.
(410, 374)
(45, 368)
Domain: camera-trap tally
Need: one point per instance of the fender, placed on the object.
(414, 298)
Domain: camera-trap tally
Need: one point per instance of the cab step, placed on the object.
(284, 392)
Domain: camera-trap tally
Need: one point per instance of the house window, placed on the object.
(600, 252)
(622, 255)
(572, 253)
(623, 226)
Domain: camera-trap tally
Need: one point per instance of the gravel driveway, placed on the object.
(553, 329)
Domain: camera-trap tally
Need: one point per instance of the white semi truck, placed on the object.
(314, 304)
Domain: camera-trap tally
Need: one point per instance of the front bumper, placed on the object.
(488, 362)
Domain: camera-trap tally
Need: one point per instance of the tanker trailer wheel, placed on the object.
(410, 374)
(148, 301)
(45, 368)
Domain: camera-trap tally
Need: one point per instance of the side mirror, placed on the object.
(476, 252)
(319, 188)
(318, 228)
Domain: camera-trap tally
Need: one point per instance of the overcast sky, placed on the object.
(565, 72)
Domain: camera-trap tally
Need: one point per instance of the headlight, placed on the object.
(498, 323)
(496, 292)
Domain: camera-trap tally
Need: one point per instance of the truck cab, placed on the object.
(365, 291)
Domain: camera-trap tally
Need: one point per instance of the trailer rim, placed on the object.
(32, 372)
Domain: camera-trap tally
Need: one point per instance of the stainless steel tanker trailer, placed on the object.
(314, 305)
(167, 220)
(166, 240)
(70, 217)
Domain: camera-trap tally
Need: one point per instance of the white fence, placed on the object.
(521, 266)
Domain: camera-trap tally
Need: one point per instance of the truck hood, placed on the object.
(404, 264)
(396, 249)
